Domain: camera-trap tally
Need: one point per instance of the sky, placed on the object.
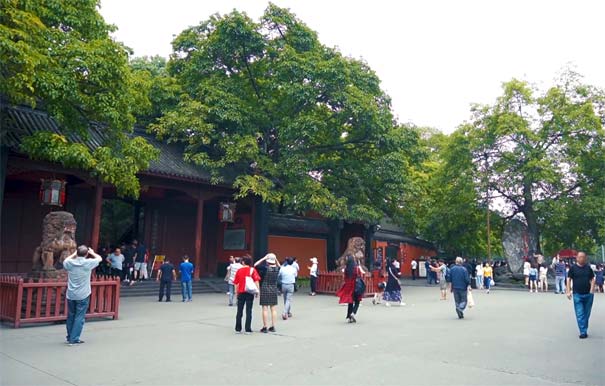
(434, 58)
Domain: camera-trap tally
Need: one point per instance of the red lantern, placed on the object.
(52, 192)
(226, 212)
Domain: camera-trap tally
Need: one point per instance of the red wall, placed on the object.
(413, 252)
(302, 248)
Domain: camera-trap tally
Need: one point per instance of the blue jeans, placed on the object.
(582, 304)
(460, 299)
(76, 313)
(559, 284)
(288, 291)
(487, 282)
(231, 293)
(186, 290)
(479, 281)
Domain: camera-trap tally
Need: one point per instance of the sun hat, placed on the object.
(270, 258)
(314, 260)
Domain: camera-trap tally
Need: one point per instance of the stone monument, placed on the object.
(356, 247)
(58, 242)
(517, 245)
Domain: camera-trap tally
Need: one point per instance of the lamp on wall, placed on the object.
(226, 212)
(52, 192)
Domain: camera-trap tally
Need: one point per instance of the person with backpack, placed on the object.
(352, 289)
(442, 270)
(246, 283)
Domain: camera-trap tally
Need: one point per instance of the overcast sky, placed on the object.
(434, 58)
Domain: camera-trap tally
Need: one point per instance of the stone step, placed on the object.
(151, 288)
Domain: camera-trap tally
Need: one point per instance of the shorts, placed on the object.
(532, 278)
(138, 265)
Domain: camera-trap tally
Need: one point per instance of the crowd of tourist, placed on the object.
(268, 278)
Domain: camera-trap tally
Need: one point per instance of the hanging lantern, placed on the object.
(226, 212)
(52, 192)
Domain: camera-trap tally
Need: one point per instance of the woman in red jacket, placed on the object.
(347, 292)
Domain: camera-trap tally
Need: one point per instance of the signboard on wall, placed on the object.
(234, 239)
(421, 269)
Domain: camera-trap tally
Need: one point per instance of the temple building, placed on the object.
(178, 211)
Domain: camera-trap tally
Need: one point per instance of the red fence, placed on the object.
(42, 301)
(330, 283)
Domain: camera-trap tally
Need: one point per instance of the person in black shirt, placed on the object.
(139, 259)
(582, 278)
(165, 276)
(129, 252)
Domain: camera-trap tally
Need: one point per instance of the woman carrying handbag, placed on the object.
(352, 289)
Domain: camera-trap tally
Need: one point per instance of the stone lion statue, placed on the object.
(58, 242)
(356, 247)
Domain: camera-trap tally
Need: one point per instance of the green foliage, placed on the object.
(163, 90)
(117, 165)
(59, 54)
(303, 127)
(449, 208)
(542, 155)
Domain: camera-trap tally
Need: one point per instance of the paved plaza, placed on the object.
(510, 338)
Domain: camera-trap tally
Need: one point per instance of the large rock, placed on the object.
(516, 243)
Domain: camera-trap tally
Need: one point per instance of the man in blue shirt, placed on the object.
(186, 269)
(460, 281)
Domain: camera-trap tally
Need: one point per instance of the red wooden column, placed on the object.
(96, 216)
(198, 237)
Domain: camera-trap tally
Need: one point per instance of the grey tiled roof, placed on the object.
(17, 122)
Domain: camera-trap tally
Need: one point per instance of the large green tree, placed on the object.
(58, 54)
(298, 123)
(449, 209)
(541, 155)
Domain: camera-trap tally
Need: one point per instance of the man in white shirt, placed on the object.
(314, 273)
(414, 269)
(78, 269)
(116, 259)
(231, 271)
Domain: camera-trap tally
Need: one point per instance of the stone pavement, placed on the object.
(509, 338)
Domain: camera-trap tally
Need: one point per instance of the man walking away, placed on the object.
(414, 269)
(186, 269)
(460, 281)
(560, 273)
(287, 279)
(78, 269)
(165, 277)
(582, 279)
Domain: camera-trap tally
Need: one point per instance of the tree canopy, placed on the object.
(58, 54)
(534, 155)
(301, 125)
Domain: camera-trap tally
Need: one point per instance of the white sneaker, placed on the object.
(402, 304)
(387, 304)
